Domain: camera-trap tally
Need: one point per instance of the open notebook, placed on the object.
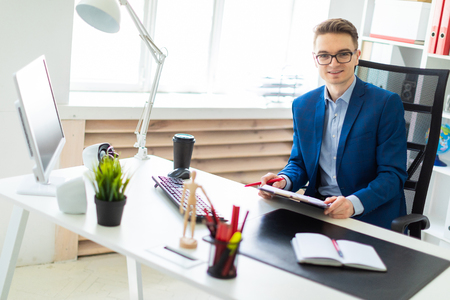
(318, 249)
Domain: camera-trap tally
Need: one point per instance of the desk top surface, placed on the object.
(151, 221)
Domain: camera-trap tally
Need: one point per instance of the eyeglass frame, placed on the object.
(316, 56)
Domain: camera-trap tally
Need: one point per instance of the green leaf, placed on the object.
(109, 180)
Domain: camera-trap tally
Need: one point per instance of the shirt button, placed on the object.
(334, 135)
(334, 157)
(335, 115)
(334, 177)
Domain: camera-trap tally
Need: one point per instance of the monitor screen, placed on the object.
(39, 117)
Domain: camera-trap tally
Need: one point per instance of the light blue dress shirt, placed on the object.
(334, 119)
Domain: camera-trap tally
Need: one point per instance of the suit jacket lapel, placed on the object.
(354, 107)
(318, 124)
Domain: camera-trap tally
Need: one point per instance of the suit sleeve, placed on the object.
(295, 168)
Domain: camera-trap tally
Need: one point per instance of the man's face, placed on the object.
(336, 74)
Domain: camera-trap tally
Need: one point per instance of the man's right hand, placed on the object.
(279, 184)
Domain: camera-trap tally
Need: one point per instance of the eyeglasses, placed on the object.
(342, 58)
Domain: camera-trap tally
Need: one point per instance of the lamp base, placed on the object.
(142, 154)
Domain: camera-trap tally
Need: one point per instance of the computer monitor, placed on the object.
(41, 125)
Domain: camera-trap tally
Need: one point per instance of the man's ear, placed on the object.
(358, 55)
(315, 60)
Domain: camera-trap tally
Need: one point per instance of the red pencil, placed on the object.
(235, 219)
(270, 181)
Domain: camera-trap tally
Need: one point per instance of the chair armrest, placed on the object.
(401, 223)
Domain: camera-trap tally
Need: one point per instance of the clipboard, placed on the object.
(293, 196)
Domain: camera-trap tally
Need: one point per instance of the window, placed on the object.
(107, 62)
(213, 46)
(184, 29)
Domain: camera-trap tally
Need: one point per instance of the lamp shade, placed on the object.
(103, 15)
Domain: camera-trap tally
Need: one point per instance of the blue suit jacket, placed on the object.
(371, 157)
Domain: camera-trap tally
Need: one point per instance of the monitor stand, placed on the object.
(29, 186)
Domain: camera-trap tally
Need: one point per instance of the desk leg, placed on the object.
(11, 247)
(134, 279)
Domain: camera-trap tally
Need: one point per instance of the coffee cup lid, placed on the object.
(184, 138)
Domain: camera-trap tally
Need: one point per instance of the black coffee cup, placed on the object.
(183, 146)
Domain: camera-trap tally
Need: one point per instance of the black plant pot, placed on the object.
(109, 213)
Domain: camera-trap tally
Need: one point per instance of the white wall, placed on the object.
(348, 9)
(29, 28)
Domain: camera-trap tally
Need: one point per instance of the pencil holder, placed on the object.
(222, 262)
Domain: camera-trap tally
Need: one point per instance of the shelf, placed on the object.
(394, 43)
(437, 232)
(437, 56)
(443, 170)
(446, 115)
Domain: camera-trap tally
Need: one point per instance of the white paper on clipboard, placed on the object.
(293, 196)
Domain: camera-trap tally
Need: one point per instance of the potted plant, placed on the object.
(110, 183)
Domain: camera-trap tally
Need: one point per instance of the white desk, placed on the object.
(150, 220)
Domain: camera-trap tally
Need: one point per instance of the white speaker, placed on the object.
(71, 196)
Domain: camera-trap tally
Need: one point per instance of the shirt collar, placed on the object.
(346, 96)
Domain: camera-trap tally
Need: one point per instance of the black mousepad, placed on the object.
(268, 239)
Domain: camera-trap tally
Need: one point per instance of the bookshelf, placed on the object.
(437, 206)
(410, 55)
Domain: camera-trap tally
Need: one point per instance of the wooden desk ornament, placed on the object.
(191, 208)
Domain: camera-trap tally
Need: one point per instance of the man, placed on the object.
(349, 136)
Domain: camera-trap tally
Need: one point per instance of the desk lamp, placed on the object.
(104, 15)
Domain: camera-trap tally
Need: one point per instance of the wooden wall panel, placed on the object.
(93, 126)
(218, 151)
(74, 132)
(232, 148)
(164, 139)
(66, 242)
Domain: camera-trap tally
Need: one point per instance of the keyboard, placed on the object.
(173, 188)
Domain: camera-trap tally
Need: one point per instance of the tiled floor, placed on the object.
(96, 277)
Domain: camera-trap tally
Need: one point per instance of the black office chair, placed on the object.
(422, 92)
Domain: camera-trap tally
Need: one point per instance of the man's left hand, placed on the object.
(341, 207)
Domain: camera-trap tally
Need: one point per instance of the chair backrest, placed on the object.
(422, 92)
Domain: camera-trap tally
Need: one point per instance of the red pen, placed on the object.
(243, 223)
(336, 246)
(270, 181)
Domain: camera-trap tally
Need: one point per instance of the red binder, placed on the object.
(436, 22)
(443, 44)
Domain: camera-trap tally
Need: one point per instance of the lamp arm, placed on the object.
(144, 121)
(154, 50)
(159, 56)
